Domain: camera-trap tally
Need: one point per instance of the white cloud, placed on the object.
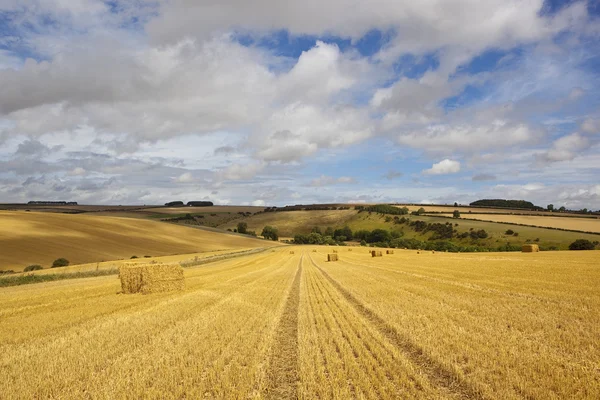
(565, 148)
(237, 172)
(591, 126)
(186, 177)
(467, 138)
(443, 167)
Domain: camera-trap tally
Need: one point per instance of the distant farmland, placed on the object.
(280, 325)
(577, 224)
(39, 238)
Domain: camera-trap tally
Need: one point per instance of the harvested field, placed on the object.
(573, 223)
(39, 238)
(275, 325)
(483, 210)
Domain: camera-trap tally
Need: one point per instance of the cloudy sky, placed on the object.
(270, 103)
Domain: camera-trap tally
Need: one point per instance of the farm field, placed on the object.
(280, 325)
(479, 210)
(39, 238)
(579, 224)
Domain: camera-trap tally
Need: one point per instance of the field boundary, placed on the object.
(283, 374)
(434, 371)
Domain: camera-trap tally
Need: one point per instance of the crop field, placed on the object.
(280, 325)
(39, 238)
(579, 224)
(449, 209)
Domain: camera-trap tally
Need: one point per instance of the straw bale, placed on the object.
(332, 257)
(530, 248)
(376, 253)
(151, 278)
(389, 252)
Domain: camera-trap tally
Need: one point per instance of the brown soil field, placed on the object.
(40, 238)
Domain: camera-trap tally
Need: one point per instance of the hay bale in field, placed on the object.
(151, 278)
(418, 252)
(376, 253)
(530, 248)
(389, 252)
(332, 257)
(291, 252)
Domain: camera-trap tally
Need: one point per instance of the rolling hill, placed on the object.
(39, 238)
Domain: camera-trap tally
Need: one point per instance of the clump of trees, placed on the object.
(34, 267)
(270, 232)
(582, 244)
(385, 209)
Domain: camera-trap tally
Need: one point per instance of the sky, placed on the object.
(271, 103)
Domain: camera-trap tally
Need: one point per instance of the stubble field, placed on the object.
(281, 325)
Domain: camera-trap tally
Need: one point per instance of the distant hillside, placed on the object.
(505, 204)
(39, 238)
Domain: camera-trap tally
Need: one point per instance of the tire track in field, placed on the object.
(283, 376)
(434, 371)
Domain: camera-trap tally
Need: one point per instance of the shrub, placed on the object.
(60, 262)
(34, 267)
(581, 244)
(132, 257)
(456, 214)
(509, 232)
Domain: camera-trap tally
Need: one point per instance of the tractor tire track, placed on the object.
(437, 374)
(283, 375)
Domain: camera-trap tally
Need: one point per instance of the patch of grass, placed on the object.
(32, 278)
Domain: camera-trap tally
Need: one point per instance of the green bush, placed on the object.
(34, 267)
(60, 262)
(132, 257)
(581, 244)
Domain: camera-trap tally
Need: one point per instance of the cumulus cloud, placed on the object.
(591, 126)
(186, 177)
(565, 148)
(443, 167)
(469, 138)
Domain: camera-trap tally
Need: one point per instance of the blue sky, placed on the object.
(119, 102)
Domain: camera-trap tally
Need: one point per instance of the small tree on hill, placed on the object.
(581, 244)
(34, 267)
(550, 207)
(60, 262)
(270, 232)
(242, 227)
(456, 214)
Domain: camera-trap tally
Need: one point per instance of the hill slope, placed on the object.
(39, 238)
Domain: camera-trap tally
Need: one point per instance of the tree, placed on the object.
(581, 244)
(270, 232)
(33, 267)
(456, 214)
(60, 262)
(562, 209)
(455, 204)
(328, 231)
(421, 211)
(550, 207)
(242, 227)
